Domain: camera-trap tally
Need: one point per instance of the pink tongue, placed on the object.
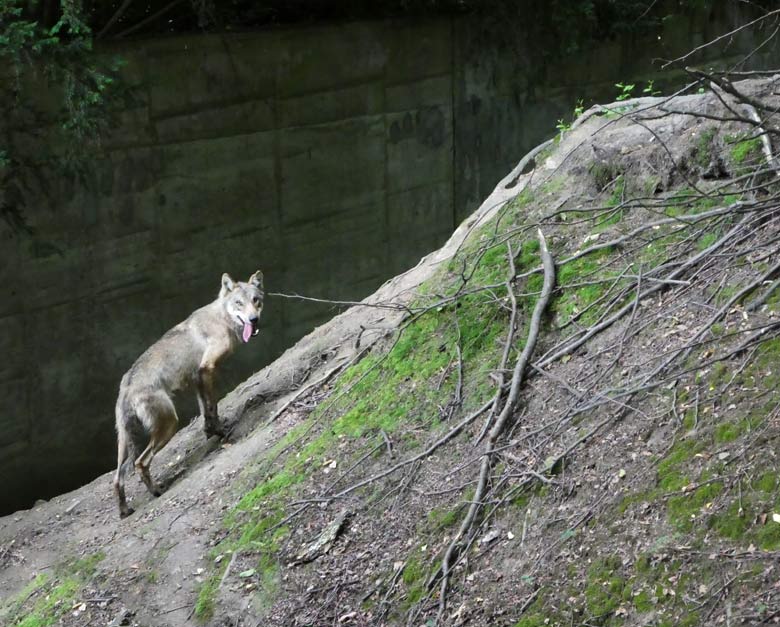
(247, 331)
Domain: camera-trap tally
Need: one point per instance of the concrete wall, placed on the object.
(332, 157)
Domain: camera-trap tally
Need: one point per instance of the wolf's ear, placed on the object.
(257, 279)
(227, 285)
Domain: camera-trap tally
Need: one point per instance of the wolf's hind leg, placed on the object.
(124, 459)
(160, 415)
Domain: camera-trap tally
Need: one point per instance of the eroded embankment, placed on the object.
(630, 480)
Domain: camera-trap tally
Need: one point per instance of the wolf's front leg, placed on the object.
(207, 402)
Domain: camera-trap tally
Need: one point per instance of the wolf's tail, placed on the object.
(130, 440)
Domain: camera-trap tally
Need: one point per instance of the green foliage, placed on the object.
(562, 126)
(650, 90)
(625, 91)
(59, 55)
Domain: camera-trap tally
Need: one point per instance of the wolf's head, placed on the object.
(243, 302)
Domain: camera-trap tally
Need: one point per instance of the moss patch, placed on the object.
(48, 597)
(605, 591)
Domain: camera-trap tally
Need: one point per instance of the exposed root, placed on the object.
(498, 428)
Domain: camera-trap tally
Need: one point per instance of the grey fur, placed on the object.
(186, 356)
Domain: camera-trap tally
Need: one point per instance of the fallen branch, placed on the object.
(498, 428)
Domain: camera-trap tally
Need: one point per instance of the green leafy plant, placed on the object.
(650, 90)
(564, 127)
(58, 54)
(626, 91)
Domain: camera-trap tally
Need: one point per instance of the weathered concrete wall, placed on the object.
(331, 157)
(321, 155)
(511, 89)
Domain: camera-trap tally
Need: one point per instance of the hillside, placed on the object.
(485, 440)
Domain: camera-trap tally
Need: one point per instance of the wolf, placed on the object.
(184, 357)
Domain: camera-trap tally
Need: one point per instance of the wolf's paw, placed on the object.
(214, 429)
(124, 513)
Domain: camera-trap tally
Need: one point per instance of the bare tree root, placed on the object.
(498, 428)
(507, 344)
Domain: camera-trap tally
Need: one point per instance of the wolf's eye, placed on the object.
(256, 300)
(239, 303)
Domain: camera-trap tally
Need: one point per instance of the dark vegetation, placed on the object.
(573, 20)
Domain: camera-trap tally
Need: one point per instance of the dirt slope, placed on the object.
(632, 482)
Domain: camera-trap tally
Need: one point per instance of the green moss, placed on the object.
(768, 535)
(672, 481)
(413, 595)
(744, 148)
(413, 571)
(571, 301)
(719, 373)
(603, 174)
(643, 563)
(691, 619)
(268, 572)
(83, 567)
(732, 523)
(521, 501)
(274, 485)
(683, 509)
(707, 240)
(413, 576)
(767, 482)
(57, 601)
(618, 192)
(730, 430)
(537, 614)
(11, 608)
(704, 147)
(47, 598)
(727, 432)
(441, 519)
(533, 620)
(689, 419)
(529, 254)
(681, 452)
(605, 590)
(553, 185)
(643, 603)
(207, 599)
